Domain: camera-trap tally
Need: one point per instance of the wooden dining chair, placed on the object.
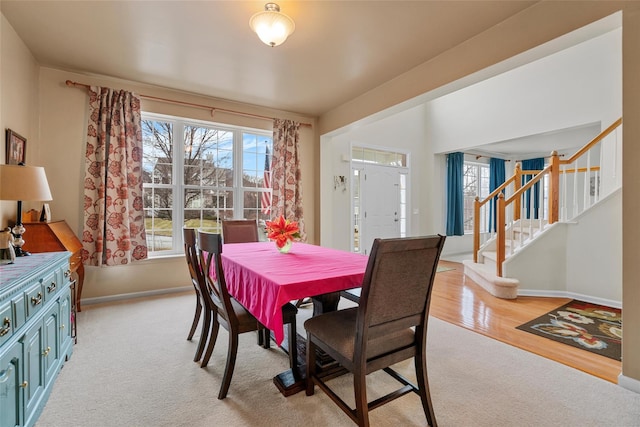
(379, 332)
(228, 312)
(240, 231)
(195, 272)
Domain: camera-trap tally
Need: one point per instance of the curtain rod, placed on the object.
(190, 104)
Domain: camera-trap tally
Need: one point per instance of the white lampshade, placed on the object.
(271, 26)
(24, 183)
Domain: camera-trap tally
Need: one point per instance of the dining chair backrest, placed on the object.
(210, 251)
(396, 289)
(191, 254)
(240, 231)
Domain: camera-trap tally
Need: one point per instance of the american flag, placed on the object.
(266, 195)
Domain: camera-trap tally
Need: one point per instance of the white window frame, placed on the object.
(178, 187)
(468, 214)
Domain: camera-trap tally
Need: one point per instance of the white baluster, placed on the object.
(563, 209)
(575, 190)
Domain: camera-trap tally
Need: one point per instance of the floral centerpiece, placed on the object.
(282, 231)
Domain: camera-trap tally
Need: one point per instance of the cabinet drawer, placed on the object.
(6, 323)
(19, 312)
(34, 300)
(51, 284)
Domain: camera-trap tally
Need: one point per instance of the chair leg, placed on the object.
(360, 390)
(213, 336)
(231, 363)
(423, 386)
(196, 319)
(311, 365)
(204, 334)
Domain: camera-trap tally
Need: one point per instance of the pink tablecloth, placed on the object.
(264, 280)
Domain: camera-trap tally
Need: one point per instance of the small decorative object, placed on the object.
(7, 254)
(283, 231)
(16, 148)
(31, 215)
(45, 214)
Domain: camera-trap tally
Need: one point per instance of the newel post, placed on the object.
(517, 183)
(554, 188)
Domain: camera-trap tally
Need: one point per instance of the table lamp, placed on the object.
(22, 183)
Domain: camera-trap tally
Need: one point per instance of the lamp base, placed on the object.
(19, 252)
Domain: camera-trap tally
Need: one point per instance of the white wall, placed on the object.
(403, 132)
(589, 244)
(567, 89)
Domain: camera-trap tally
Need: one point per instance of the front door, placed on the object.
(380, 192)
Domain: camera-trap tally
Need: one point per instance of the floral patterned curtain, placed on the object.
(286, 180)
(114, 231)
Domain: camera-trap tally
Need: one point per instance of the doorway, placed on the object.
(379, 205)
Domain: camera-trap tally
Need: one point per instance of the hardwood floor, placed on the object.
(459, 300)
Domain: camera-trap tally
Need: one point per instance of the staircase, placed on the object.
(567, 188)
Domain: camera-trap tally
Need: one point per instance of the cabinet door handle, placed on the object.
(46, 352)
(51, 287)
(6, 327)
(37, 299)
(25, 384)
(67, 273)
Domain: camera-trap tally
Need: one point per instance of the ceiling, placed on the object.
(339, 50)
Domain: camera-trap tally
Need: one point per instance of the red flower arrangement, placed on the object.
(282, 231)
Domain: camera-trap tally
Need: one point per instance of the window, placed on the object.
(476, 183)
(197, 173)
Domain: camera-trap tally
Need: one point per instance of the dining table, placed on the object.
(263, 280)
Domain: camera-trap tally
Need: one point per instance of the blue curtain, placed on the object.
(532, 165)
(455, 199)
(496, 179)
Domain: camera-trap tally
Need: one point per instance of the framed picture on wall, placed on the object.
(16, 148)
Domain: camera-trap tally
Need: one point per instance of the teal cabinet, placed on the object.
(36, 317)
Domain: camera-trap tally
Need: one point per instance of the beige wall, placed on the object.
(19, 102)
(63, 123)
(630, 199)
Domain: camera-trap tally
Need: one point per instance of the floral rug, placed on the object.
(591, 327)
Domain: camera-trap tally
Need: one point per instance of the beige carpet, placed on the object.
(132, 366)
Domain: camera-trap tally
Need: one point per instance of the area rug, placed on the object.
(591, 327)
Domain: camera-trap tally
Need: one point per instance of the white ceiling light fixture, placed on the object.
(271, 26)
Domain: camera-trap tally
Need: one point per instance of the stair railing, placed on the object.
(511, 209)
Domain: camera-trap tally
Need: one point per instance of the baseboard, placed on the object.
(572, 295)
(120, 297)
(629, 383)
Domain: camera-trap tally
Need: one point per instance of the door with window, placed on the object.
(379, 196)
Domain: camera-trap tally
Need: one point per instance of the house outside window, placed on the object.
(197, 173)
(475, 184)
